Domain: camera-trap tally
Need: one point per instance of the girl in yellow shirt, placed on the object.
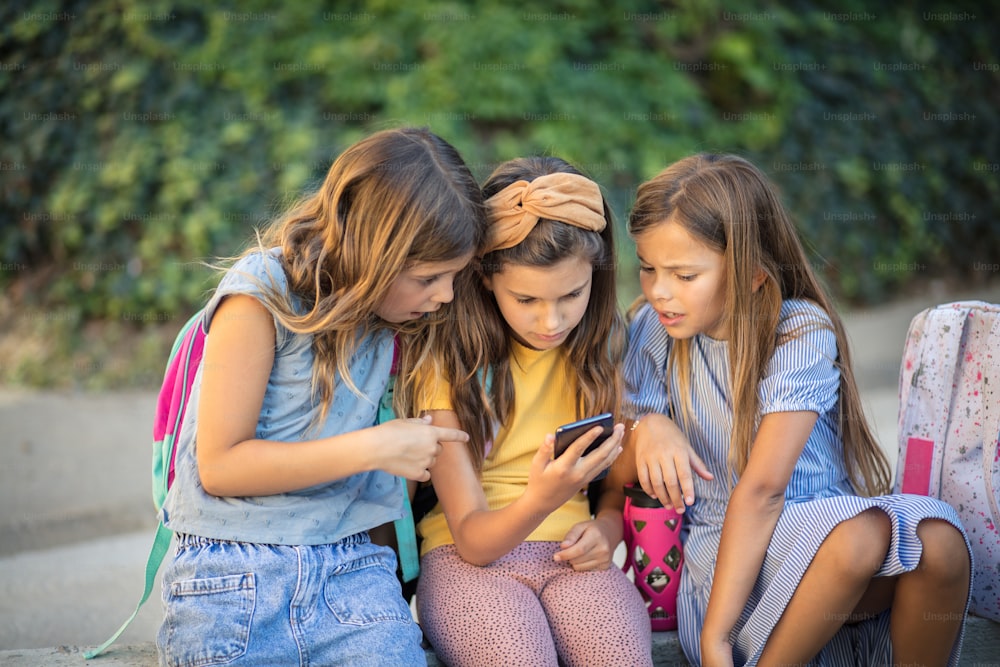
(514, 568)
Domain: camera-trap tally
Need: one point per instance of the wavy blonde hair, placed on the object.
(728, 204)
(594, 349)
(393, 199)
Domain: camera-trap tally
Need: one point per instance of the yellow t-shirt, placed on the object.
(545, 397)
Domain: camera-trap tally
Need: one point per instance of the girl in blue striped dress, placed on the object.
(747, 418)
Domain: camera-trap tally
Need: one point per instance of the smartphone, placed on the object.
(567, 434)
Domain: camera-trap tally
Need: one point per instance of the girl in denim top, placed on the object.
(284, 471)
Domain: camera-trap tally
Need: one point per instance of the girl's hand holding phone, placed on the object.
(553, 480)
(583, 440)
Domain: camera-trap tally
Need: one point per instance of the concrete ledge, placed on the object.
(666, 653)
(981, 648)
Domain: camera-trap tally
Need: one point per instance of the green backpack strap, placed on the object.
(406, 540)
(161, 545)
(406, 532)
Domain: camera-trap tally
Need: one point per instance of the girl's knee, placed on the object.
(944, 553)
(857, 546)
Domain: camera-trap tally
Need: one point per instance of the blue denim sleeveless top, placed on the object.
(318, 515)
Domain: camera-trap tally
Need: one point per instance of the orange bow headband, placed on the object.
(514, 211)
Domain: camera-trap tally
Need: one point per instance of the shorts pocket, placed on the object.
(208, 620)
(366, 591)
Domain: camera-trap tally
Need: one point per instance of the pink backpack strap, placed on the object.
(171, 404)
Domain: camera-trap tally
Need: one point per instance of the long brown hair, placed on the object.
(729, 205)
(593, 350)
(395, 198)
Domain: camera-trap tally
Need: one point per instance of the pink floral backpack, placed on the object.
(949, 428)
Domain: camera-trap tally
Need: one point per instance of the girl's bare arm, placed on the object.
(754, 507)
(239, 355)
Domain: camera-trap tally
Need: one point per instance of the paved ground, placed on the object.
(77, 517)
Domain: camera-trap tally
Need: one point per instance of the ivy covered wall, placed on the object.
(139, 139)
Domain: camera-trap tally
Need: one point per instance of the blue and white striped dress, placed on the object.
(800, 376)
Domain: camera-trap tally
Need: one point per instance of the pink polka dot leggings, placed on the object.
(526, 609)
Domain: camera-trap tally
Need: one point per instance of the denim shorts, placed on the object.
(233, 603)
